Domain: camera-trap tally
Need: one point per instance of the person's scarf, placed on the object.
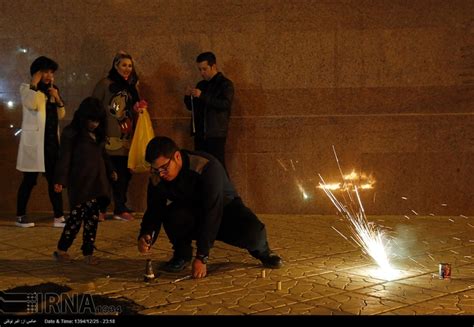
(44, 88)
(119, 83)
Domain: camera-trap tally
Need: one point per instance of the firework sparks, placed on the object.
(349, 182)
(416, 262)
(339, 232)
(303, 192)
(292, 165)
(372, 239)
(282, 164)
(332, 187)
(362, 180)
(356, 241)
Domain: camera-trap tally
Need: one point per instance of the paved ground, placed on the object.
(323, 273)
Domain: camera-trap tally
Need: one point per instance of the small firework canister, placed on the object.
(444, 270)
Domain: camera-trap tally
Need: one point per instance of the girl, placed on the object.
(39, 140)
(84, 168)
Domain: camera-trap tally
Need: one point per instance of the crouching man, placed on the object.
(190, 194)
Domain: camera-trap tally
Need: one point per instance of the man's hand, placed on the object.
(196, 93)
(199, 269)
(144, 243)
(188, 91)
(58, 188)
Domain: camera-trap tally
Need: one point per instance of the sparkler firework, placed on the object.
(367, 234)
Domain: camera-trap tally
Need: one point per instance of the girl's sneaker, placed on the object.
(59, 222)
(91, 260)
(22, 221)
(61, 256)
(125, 216)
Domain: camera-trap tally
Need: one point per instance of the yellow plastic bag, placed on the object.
(143, 134)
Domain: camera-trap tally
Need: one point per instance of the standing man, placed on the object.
(190, 194)
(210, 103)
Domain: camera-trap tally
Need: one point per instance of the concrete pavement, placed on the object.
(323, 273)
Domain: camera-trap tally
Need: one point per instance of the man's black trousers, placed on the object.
(239, 227)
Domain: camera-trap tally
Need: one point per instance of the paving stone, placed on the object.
(194, 307)
(10, 280)
(250, 300)
(430, 281)
(453, 304)
(343, 281)
(354, 303)
(303, 309)
(323, 274)
(339, 262)
(400, 292)
(303, 289)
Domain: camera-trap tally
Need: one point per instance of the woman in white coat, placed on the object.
(39, 141)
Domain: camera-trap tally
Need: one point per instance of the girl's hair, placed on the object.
(90, 109)
(113, 73)
(43, 63)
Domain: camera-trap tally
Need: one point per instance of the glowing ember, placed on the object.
(303, 192)
(363, 181)
(368, 235)
(332, 187)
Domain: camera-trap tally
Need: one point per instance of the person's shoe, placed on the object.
(271, 260)
(59, 222)
(101, 216)
(22, 221)
(91, 260)
(61, 256)
(176, 265)
(125, 216)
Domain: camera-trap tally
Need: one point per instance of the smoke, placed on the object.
(403, 241)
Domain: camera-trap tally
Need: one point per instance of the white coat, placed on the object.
(31, 150)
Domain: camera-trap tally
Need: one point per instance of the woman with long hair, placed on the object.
(118, 93)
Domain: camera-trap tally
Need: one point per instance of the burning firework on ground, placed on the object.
(363, 182)
(375, 240)
(367, 234)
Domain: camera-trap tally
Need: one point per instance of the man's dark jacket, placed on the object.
(212, 108)
(202, 186)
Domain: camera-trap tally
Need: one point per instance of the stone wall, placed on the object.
(389, 83)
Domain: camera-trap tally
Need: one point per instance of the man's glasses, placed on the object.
(161, 169)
